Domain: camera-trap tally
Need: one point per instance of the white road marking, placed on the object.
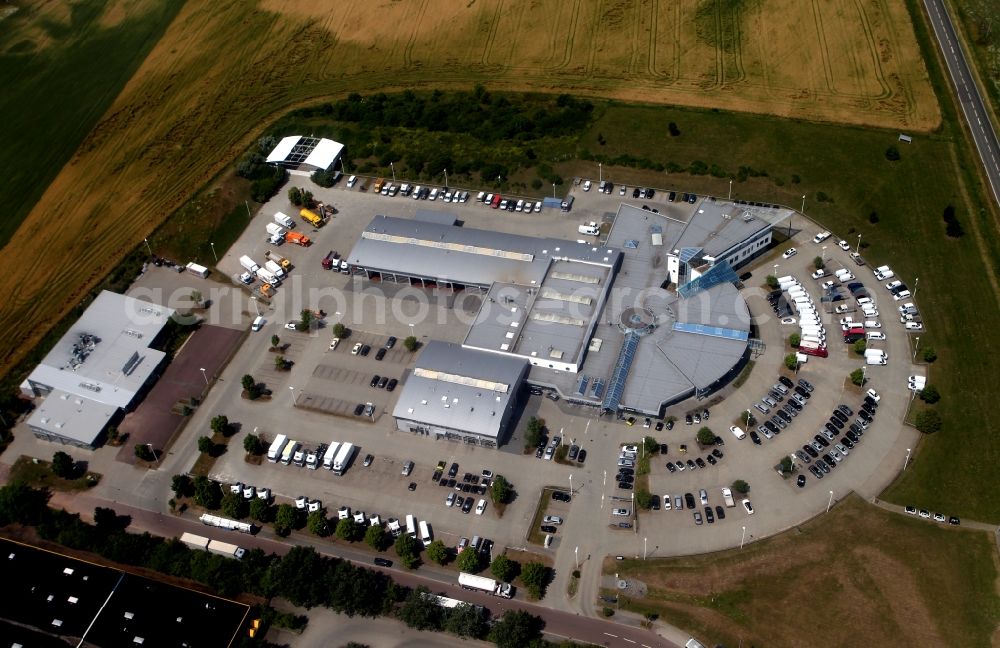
(611, 635)
(627, 639)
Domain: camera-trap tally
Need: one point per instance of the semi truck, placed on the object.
(274, 269)
(331, 454)
(483, 584)
(194, 541)
(343, 458)
(312, 217)
(226, 549)
(284, 220)
(286, 454)
(267, 276)
(274, 229)
(271, 255)
(249, 264)
(226, 523)
(297, 239)
(274, 452)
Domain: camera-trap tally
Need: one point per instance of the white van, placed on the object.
(876, 335)
(352, 181)
(425, 533)
(258, 323)
(411, 526)
(872, 324)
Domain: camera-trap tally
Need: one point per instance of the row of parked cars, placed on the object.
(825, 451)
(938, 517)
(798, 395)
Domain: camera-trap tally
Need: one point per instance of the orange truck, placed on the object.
(298, 239)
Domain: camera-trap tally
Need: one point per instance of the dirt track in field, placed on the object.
(223, 70)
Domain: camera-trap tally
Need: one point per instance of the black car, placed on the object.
(689, 500)
(691, 465)
(786, 381)
(369, 458)
(391, 385)
(847, 442)
(865, 416)
(635, 192)
(712, 460)
(574, 452)
(548, 529)
(720, 512)
(954, 520)
(719, 440)
(359, 409)
(650, 193)
(755, 437)
(847, 411)
(628, 479)
(800, 481)
(383, 562)
(700, 462)
(670, 468)
(380, 354)
(687, 419)
(365, 350)
(772, 427)
(709, 515)
(626, 471)
(852, 436)
(672, 196)
(560, 496)
(670, 425)
(833, 426)
(391, 342)
(582, 456)
(840, 416)
(867, 409)
(870, 402)
(382, 383)
(829, 460)
(795, 404)
(816, 472)
(374, 381)
(412, 486)
(656, 503)
(802, 391)
(822, 466)
(810, 451)
(664, 449)
(453, 470)
(659, 426)
(855, 428)
(781, 414)
(822, 441)
(469, 501)
(539, 452)
(624, 485)
(717, 453)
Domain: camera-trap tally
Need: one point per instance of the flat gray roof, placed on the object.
(717, 226)
(71, 417)
(462, 255)
(459, 388)
(105, 355)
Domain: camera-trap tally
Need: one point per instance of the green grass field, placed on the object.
(859, 576)
(59, 75)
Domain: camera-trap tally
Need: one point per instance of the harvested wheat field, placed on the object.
(223, 70)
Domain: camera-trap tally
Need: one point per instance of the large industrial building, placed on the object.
(649, 317)
(460, 394)
(97, 370)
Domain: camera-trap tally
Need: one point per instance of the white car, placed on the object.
(876, 335)
(666, 502)
(737, 432)
(621, 512)
(481, 507)
(356, 349)
(746, 503)
(249, 492)
(913, 326)
(827, 285)
(236, 488)
(352, 181)
(789, 253)
(871, 393)
(538, 206)
(552, 519)
(822, 236)
(844, 245)
(630, 448)
(819, 274)
(872, 324)
(847, 321)
(333, 343)
(901, 295)
(450, 500)
(703, 496)
(291, 325)
(416, 192)
(843, 308)
(845, 277)
(621, 190)
(586, 185)
(788, 321)
(908, 307)
(893, 284)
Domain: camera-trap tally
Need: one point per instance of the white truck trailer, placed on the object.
(227, 549)
(331, 454)
(483, 584)
(277, 446)
(343, 458)
(249, 264)
(226, 523)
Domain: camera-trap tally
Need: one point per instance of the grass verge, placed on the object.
(534, 533)
(900, 580)
(38, 474)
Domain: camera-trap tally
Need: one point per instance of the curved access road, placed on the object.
(969, 95)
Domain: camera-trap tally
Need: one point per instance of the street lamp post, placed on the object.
(605, 478)
(803, 210)
(829, 502)
(857, 250)
(553, 190)
(915, 282)
(644, 548)
(776, 270)
(148, 249)
(204, 375)
(571, 484)
(907, 460)
(915, 347)
(600, 172)
(446, 178)
(291, 390)
(743, 537)
(822, 256)
(153, 451)
(576, 555)
(392, 167)
(730, 190)
(214, 256)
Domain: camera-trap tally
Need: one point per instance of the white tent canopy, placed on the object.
(296, 150)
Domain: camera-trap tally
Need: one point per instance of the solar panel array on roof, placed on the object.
(711, 331)
(617, 385)
(720, 273)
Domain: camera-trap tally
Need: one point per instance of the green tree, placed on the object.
(220, 424)
(791, 362)
(500, 490)
(535, 577)
(421, 612)
(250, 386)
(305, 320)
(930, 395)
(376, 538)
(207, 493)
(516, 629)
(772, 282)
(741, 486)
(706, 436)
(892, 154)
(650, 445)
(182, 486)
(468, 560)
(794, 339)
(143, 452)
(643, 498)
(819, 263)
(408, 551)
(253, 445)
(860, 346)
(339, 330)
(410, 343)
(504, 569)
(295, 196)
(234, 506)
(285, 519)
(929, 354)
(63, 465)
(437, 552)
(858, 376)
(280, 363)
(205, 445)
(22, 504)
(260, 510)
(786, 464)
(535, 430)
(317, 523)
(927, 421)
(275, 341)
(349, 530)
(466, 621)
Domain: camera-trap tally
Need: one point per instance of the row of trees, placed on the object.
(534, 575)
(302, 576)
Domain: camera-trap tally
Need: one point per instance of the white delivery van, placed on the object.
(258, 323)
(275, 269)
(275, 230)
(425, 533)
(411, 526)
(284, 220)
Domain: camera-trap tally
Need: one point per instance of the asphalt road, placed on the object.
(969, 95)
(558, 623)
